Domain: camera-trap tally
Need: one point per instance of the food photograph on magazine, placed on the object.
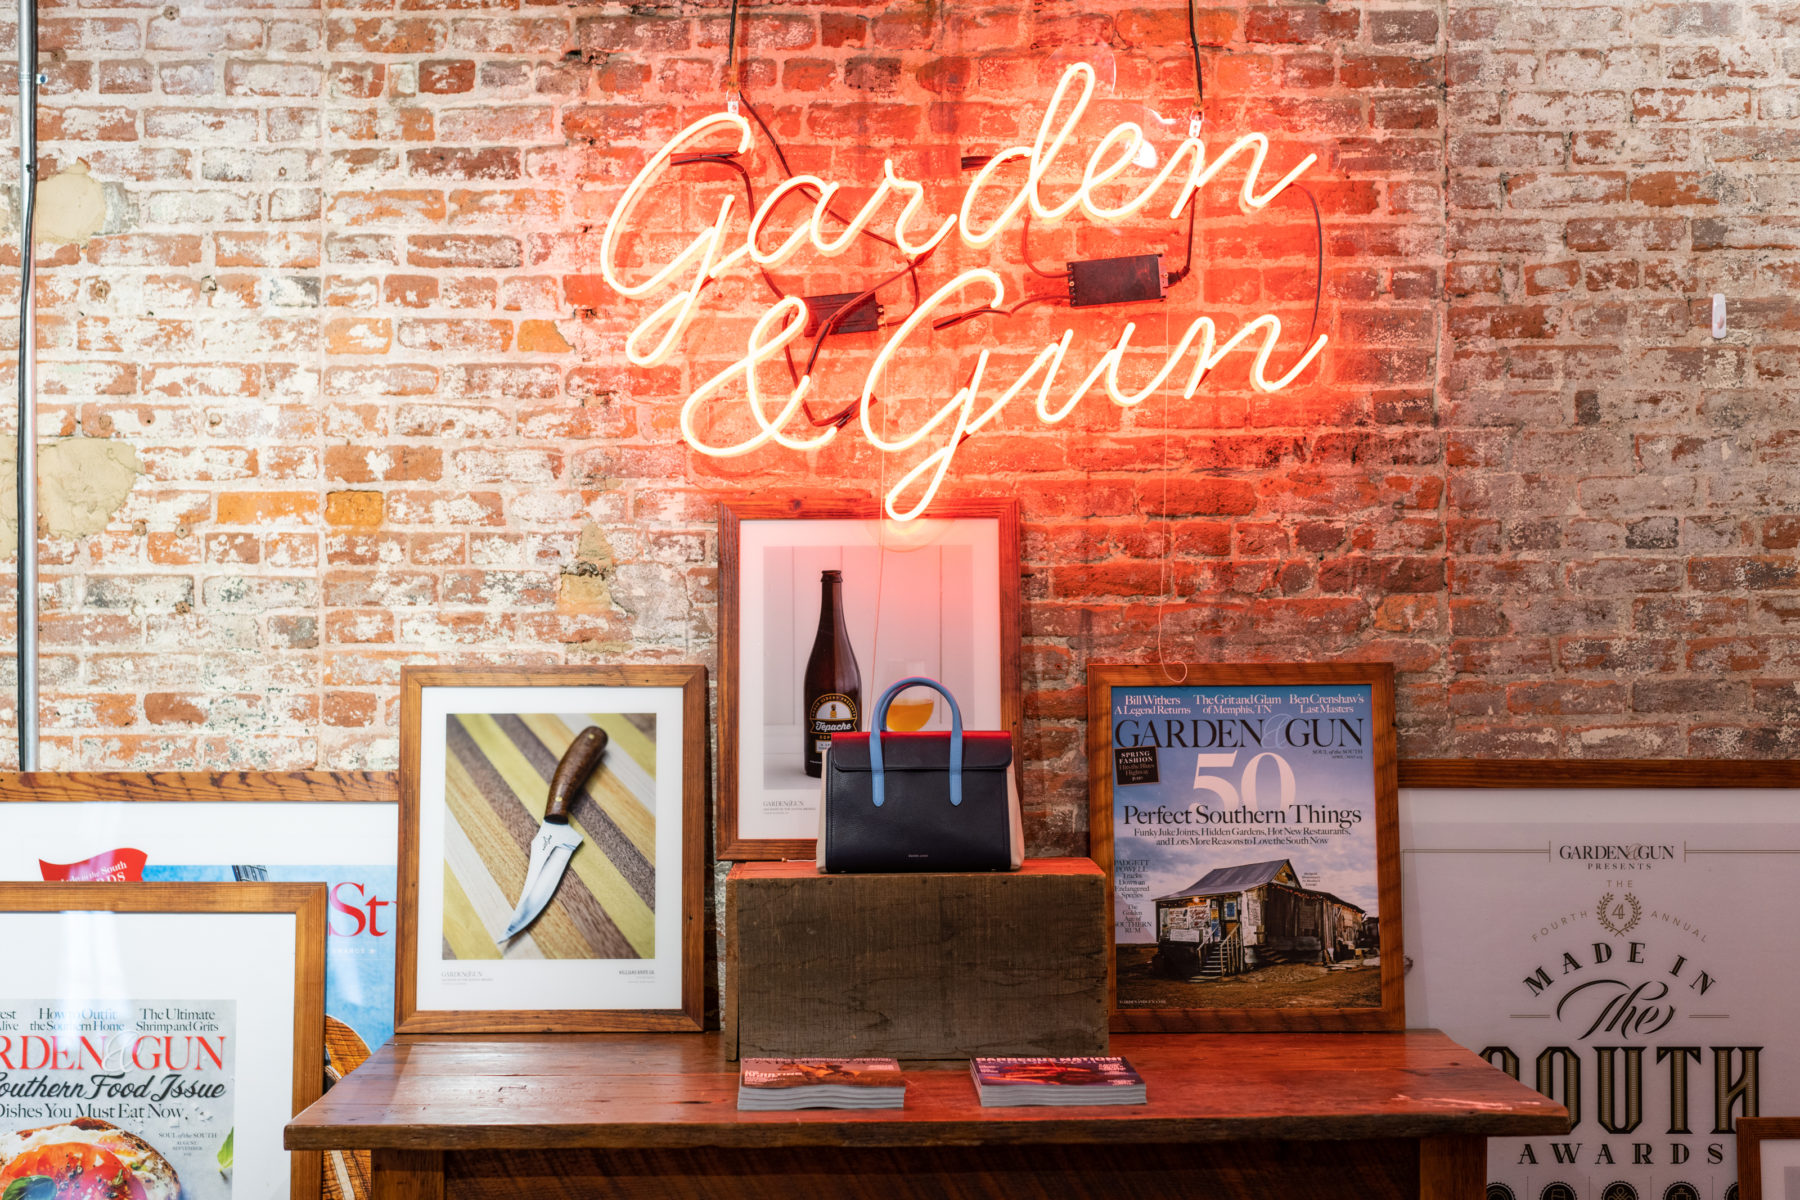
(124, 1102)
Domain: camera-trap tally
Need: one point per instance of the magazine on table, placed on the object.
(781, 1084)
(1003, 1082)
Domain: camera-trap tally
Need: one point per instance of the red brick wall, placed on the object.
(347, 312)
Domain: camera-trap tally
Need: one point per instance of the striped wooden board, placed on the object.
(497, 779)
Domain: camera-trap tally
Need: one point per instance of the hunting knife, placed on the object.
(556, 839)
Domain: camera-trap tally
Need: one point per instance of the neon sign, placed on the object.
(714, 252)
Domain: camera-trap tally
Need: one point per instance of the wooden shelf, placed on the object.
(674, 1091)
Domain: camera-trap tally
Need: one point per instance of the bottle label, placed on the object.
(831, 713)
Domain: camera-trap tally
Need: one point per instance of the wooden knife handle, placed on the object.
(578, 762)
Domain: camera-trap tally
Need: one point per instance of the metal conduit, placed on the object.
(26, 461)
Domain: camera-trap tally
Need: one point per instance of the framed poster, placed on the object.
(552, 849)
(1245, 818)
(1615, 935)
(937, 597)
(162, 1039)
(1769, 1158)
(340, 828)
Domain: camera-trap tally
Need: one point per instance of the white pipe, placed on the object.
(27, 455)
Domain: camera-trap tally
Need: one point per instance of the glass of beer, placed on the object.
(911, 710)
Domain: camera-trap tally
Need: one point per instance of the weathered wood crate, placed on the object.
(915, 966)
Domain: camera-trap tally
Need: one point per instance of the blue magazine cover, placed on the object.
(359, 943)
(1244, 847)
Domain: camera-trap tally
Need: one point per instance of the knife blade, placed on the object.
(556, 840)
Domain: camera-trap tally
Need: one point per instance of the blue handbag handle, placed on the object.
(956, 741)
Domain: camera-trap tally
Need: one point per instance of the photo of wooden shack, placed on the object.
(1237, 919)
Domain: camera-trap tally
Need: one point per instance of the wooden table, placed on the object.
(654, 1117)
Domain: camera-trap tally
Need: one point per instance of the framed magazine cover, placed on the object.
(1245, 816)
(611, 936)
(164, 1037)
(338, 827)
(938, 597)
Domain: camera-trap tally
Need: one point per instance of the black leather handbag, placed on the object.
(920, 801)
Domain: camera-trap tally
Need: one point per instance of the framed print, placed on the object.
(339, 828)
(162, 1039)
(1245, 817)
(552, 845)
(1769, 1158)
(822, 606)
(1614, 934)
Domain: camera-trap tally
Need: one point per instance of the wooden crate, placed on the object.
(915, 966)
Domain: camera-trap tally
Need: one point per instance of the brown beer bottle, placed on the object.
(833, 685)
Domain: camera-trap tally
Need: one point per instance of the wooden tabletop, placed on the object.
(678, 1090)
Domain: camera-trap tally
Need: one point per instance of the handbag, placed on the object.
(920, 801)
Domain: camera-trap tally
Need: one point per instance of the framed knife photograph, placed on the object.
(552, 847)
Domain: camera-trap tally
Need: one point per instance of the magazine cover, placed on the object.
(126, 1102)
(359, 948)
(777, 1073)
(1064, 1072)
(1626, 953)
(1244, 847)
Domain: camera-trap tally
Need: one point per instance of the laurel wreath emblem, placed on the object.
(1606, 920)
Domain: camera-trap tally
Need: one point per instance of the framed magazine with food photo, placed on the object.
(823, 604)
(1246, 818)
(162, 1061)
(335, 827)
(552, 843)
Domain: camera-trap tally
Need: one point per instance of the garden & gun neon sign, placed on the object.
(713, 252)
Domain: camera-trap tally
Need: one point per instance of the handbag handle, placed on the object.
(956, 738)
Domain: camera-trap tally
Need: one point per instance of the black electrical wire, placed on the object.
(1187, 263)
(1025, 251)
(959, 318)
(842, 416)
(731, 68)
(1193, 40)
(727, 160)
(1319, 246)
(813, 192)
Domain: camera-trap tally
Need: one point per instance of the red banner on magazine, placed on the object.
(124, 865)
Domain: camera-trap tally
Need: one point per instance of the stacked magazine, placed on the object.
(1003, 1082)
(780, 1084)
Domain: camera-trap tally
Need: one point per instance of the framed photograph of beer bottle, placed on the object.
(826, 603)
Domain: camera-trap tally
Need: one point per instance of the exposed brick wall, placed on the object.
(346, 312)
(1621, 510)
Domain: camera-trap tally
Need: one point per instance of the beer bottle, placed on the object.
(833, 685)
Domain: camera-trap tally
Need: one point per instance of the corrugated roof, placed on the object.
(1232, 879)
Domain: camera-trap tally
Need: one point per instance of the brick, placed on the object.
(353, 508)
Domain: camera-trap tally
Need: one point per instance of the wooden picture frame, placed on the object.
(647, 776)
(194, 826)
(739, 840)
(305, 903)
(268, 787)
(1653, 857)
(1286, 918)
(1599, 773)
(1752, 1133)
